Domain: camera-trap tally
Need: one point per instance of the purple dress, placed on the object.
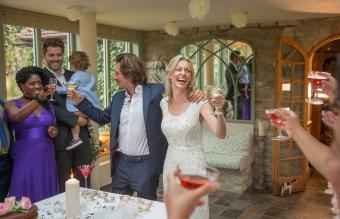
(34, 169)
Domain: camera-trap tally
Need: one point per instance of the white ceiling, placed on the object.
(153, 14)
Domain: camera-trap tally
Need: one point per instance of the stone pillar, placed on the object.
(88, 44)
(88, 38)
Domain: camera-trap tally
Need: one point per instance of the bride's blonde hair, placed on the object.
(170, 69)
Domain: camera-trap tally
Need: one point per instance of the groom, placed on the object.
(137, 144)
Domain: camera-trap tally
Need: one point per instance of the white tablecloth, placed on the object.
(46, 207)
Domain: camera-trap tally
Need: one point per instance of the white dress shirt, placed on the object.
(132, 135)
(60, 77)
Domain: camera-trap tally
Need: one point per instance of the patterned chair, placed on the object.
(233, 157)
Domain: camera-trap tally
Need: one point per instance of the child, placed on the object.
(86, 85)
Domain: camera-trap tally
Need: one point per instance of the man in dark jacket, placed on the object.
(6, 163)
(67, 160)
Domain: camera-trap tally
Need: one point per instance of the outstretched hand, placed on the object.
(286, 120)
(180, 202)
(329, 86)
(74, 96)
(328, 118)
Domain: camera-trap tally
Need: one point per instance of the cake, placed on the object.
(32, 213)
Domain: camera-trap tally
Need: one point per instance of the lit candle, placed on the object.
(72, 198)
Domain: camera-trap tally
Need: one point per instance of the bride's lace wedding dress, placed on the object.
(184, 135)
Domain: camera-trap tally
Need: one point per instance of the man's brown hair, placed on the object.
(132, 67)
(53, 42)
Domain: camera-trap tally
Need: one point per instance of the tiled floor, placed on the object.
(311, 204)
(253, 204)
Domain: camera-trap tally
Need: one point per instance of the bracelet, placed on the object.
(218, 113)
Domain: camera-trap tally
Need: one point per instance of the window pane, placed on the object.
(18, 54)
(215, 66)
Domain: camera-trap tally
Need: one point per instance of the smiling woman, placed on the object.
(32, 120)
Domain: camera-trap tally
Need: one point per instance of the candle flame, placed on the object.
(71, 175)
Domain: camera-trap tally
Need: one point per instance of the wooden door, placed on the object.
(291, 91)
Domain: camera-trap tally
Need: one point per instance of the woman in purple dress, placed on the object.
(31, 116)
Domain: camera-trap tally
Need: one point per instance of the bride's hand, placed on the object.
(217, 100)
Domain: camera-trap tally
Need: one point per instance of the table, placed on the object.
(94, 206)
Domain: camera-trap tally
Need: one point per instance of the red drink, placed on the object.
(316, 81)
(85, 172)
(193, 181)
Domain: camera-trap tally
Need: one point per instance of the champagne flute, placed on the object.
(216, 91)
(52, 82)
(316, 83)
(273, 117)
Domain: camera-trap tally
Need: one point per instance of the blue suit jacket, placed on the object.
(152, 95)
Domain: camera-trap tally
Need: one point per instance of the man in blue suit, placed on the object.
(6, 162)
(137, 143)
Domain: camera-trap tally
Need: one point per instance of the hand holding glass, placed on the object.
(193, 176)
(52, 82)
(216, 91)
(316, 81)
(279, 122)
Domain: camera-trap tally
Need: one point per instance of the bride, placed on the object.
(182, 121)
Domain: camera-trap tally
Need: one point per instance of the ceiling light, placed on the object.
(73, 13)
(199, 8)
(238, 18)
(171, 28)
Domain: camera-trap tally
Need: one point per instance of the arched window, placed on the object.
(227, 64)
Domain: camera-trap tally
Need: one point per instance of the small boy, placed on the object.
(85, 83)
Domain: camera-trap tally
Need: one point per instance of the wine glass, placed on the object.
(71, 86)
(86, 171)
(52, 82)
(316, 84)
(273, 117)
(216, 91)
(193, 176)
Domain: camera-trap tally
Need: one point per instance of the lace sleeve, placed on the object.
(163, 104)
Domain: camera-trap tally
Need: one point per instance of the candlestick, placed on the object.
(72, 198)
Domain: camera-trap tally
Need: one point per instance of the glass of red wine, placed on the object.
(279, 122)
(316, 84)
(86, 171)
(192, 177)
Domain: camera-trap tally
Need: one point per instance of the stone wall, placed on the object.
(263, 39)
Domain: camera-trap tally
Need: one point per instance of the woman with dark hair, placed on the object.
(31, 116)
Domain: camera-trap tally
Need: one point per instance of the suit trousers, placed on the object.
(6, 165)
(134, 174)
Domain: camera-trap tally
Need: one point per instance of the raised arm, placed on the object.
(17, 115)
(99, 116)
(316, 152)
(216, 123)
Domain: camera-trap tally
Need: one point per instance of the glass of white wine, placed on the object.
(216, 91)
(71, 86)
(52, 82)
